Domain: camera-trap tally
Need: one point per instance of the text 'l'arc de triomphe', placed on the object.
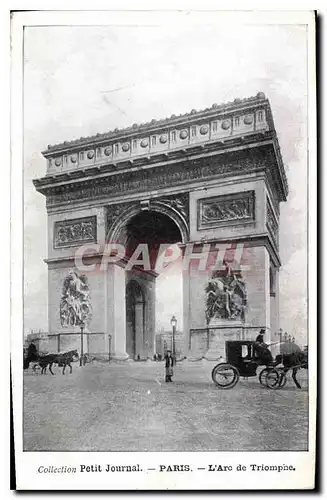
(214, 179)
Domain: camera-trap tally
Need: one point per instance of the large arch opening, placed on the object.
(152, 229)
(152, 297)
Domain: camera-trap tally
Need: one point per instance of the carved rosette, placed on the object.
(248, 119)
(226, 296)
(226, 210)
(75, 232)
(226, 124)
(108, 150)
(75, 303)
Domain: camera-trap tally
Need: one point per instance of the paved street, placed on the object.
(128, 407)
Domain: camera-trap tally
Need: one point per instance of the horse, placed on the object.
(47, 360)
(66, 358)
(293, 361)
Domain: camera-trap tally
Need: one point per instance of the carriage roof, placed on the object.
(239, 342)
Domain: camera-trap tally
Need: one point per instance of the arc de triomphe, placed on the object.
(211, 181)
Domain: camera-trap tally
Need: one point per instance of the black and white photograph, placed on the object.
(164, 338)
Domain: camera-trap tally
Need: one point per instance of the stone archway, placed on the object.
(217, 174)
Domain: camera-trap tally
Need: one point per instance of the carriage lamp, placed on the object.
(173, 323)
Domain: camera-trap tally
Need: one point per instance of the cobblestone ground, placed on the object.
(128, 407)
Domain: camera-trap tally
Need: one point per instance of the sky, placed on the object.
(79, 81)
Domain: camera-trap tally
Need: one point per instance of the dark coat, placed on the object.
(32, 352)
(169, 361)
(262, 352)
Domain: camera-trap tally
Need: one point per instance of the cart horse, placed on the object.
(292, 361)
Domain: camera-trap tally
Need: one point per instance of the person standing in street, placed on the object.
(169, 364)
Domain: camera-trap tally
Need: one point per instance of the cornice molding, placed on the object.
(232, 106)
(65, 175)
(189, 153)
(255, 240)
(181, 174)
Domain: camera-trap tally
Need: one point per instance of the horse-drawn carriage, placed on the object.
(242, 361)
(47, 360)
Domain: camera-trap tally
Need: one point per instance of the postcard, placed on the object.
(163, 286)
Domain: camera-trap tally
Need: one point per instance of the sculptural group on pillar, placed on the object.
(75, 303)
(226, 296)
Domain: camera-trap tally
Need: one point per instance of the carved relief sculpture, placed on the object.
(167, 176)
(113, 212)
(271, 223)
(226, 296)
(179, 202)
(226, 209)
(75, 303)
(74, 232)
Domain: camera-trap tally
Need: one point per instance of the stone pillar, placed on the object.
(116, 312)
(274, 308)
(139, 331)
(149, 320)
(267, 298)
(186, 347)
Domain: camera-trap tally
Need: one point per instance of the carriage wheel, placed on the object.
(272, 379)
(263, 375)
(225, 376)
(268, 378)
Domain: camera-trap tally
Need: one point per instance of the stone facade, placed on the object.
(214, 178)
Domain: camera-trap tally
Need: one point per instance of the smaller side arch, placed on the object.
(136, 290)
